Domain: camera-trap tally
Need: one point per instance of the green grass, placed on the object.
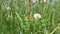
(17, 19)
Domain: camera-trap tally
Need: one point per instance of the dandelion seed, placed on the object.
(44, 0)
(9, 17)
(34, 1)
(8, 8)
(37, 16)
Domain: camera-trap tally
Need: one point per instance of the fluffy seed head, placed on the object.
(9, 17)
(37, 16)
(44, 0)
(33, 1)
(8, 8)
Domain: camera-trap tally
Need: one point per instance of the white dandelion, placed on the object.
(8, 8)
(9, 17)
(34, 1)
(44, 0)
(37, 16)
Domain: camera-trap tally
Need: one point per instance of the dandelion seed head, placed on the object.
(9, 17)
(33, 1)
(8, 8)
(44, 0)
(37, 16)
